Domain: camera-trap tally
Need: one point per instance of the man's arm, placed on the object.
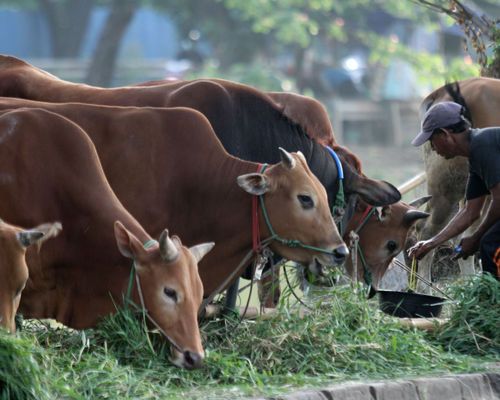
(464, 218)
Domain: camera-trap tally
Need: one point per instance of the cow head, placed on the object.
(297, 207)
(382, 236)
(171, 287)
(13, 244)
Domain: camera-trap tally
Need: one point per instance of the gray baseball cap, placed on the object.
(440, 115)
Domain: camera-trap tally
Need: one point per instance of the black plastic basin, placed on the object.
(409, 304)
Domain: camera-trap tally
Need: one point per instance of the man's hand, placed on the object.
(420, 249)
(469, 245)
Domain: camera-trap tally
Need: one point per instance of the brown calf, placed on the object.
(13, 244)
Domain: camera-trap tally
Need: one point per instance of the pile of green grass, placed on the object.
(342, 337)
(474, 325)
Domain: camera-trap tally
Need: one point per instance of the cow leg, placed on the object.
(18, 319)
(231, 296)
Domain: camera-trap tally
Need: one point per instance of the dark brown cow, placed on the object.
(50, 170)
(14, 241)
(446, 179)
(172, 158)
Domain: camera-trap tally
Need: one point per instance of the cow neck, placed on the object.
(257, 244)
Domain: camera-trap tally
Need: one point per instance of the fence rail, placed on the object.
(412, 183)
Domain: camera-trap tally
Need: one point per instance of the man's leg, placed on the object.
(490, 250)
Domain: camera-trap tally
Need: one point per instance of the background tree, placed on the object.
(102, 66)
(481, 31)
(300, 24)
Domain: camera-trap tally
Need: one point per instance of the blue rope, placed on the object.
(337, 161)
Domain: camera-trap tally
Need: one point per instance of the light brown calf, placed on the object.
(13, 269)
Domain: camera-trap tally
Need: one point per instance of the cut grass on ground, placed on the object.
(343, 337)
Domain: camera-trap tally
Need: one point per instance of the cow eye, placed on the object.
(170, 293)
(305, 201)
(392, 246)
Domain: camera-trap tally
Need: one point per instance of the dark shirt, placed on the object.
(484, 162)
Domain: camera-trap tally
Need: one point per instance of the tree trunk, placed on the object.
(493, 71)
(102, 67)
(67, 23)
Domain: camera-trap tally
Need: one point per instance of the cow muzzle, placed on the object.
(321, 263)
(188, 359)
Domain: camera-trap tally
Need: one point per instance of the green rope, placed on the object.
(367, 273)
(149, 243)
(366, 219)
(339, 203)
(287, 242)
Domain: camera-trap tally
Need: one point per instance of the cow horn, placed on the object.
(412, 215)
(420, 201)
(287, 159)
(200, 250)
(28, 237)
(168, 251)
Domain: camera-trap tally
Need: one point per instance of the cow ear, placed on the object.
(28, 237)
(287, 160)
(200, 250)
(254, 183)
(127, 243)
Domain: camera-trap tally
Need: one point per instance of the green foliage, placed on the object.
(20, 371)
(264, 77)
(429, 68)
(474, 324)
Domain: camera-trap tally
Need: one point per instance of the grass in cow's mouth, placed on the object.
(342, 337)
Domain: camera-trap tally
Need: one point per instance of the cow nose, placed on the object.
(340, 254)
(192, 360)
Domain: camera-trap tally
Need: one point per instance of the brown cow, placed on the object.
(14, 241)
(178, 163)
(50, 169)
(446, 179)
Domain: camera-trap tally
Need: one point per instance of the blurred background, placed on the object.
(370, 62)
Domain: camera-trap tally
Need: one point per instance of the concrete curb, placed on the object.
(477, 386)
